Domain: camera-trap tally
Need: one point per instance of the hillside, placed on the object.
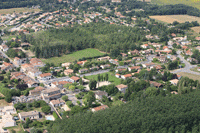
(156, 114)
(194, 3)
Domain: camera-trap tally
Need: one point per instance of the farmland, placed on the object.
(17, 10)
(74, 56)
(178, 18)
(189, 75)
(194, 3)
(196, 29)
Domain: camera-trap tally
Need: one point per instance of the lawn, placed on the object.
(111, 78)
(18, 10)
(74, 56)
(194, 3)
(172, 18)
(191, 76)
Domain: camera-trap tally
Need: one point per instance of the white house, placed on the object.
(117, 75)
(102, 107)
(4, 48)
(105, 66)
(45, 76)
(145, 46)
(56, 103)
(126, 76)
(122, 88)
(174, 81)
(31, 115)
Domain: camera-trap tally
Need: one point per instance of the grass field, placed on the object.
(4, 103)
(196, 29)
(178, 18)
(194, 3)
(111, 78)
(191, 76)
(74, 56)
(17, 10)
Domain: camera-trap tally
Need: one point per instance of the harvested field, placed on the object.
(196, 29)
(17, 10)
(178, 18)
(4, 103)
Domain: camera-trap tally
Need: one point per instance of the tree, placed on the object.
(106, 77)
(89, 98)
(65, 98)
(80, 81)
(92, 84)
(46, 109)
(8, 98)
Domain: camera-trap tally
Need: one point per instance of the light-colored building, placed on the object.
(134, 68)
(36, 91)
(7, 109)
(126, 76)
(104, 58)
(56, 103)
(45, 76)
(74, 79)
(6, 121)
(83, 70)
(68, 71)
(7, 66)
(99, 94)
(122, 88)
(31, 115)
(105, 66)
(102, 107)
(174, 81)
(50, 94)
(36, 62)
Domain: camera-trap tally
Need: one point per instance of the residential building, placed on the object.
(145, 46)
(135, 52)
(188, 52)
(123, 54)
(174, 81)
(56, 103)
(99, 94)
(83, 70)
(37, 91)
(102, 107)
(104, 58)
(174, 92)
(7, 109)
(156, 84)
(35, 62)
(126, 76)
(59, 84)
(105, 66)
(120, 70)
(4, 48)
(6, 121)
(66, 65)
(50, 94)
(134, 68)
(122, 88)
(45, 76)
(17, 61)
(138, 58)
(117, 1)
(148, 65)
(81, 62)
(34, 72)
(118, 75)
(74, 79)
(7, 66)
(95, 68)
(31, 115)
(68, 71)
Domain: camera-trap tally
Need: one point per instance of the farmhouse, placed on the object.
(31, 115)
(122, 88)
(7, 109)
(117, 75)
(81, 62)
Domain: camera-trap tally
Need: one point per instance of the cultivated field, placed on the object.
(17, 10)
(178, 18)
(194, 3)
(74, 56)
(196, 29)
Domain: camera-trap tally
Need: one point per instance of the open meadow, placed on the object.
(17, 10)
(74, 56)
(178, 18)
(189, 75)
(194, 3)
(196, 29)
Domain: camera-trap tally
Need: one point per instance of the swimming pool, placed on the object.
(49, 118)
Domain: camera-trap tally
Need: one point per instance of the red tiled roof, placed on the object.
(103, 107)
(75, 78)
(45, 74)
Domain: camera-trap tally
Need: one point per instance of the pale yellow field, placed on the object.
(17, 10)
(196, 29)
(4, 103)
(178, 18)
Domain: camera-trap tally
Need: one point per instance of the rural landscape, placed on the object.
(99, 66)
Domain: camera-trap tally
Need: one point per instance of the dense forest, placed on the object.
(175, 113)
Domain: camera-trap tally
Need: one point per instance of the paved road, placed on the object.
(95, 73)
(187, 67)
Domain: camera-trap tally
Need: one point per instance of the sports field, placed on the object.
(17, 10)
(178, 18)
(74, 56)
(194, 3)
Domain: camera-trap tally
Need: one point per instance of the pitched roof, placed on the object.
(30, 113)
(56, 101)
(7, 64)
(75, 78)
(121, 86)
(45, 74)
(127, 75)
(103, 107)
(135, 67)
(101, 93)
(37, 89)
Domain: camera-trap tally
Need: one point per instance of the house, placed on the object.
(116, 1)
(7, 109)
(122, 88)
(174, 81)
(198, 48)
(59, 84)
(161, 59)
(74, 79)
(179, 76)
(31, 82)
(99, 94)
(134, 68)
(95, 68)
(192, 60)
(157, 67)
(17, 61)
(52, 93)
(135, 52)
(105, 66)
(156, 45)
(102, 107)
(123, 54)
(34, 72)
(4, 48)
(68, 71)
(31, 115)
(138, 58)
(83, 70)
(163, 51)
(121, 70)
(35, 62)
(37, 91)
(56, 103)
(7, 66)
(174, 92)
(188, 52)
(173, 35)
(184, 47)
(81, 62)
(104, 58)
(26, 67)
(145, 46)
(165, 47)
(117, 75)
(45, 76)
(126, 76)
(197, 38)
(66, 65)
(148, 65)
(156, 84)
(6, 121)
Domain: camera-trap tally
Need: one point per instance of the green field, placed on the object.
(194, 3)
(111, 78)
(74, 56)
